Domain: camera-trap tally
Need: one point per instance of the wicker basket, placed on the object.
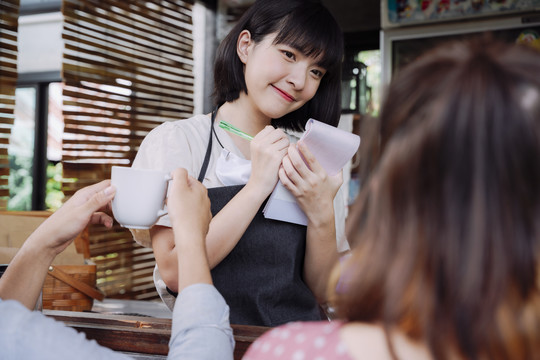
(70, 288)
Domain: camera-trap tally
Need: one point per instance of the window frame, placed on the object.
(40, 81)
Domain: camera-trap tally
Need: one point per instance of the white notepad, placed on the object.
(333, 148)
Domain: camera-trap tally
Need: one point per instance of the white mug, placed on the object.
(140, 196)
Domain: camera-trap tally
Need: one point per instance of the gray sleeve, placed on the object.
(26, 334)
(201, 328)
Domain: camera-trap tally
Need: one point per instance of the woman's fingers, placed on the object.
(101, 218)
(304, 156)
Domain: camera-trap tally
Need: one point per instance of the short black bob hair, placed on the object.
(305, 25)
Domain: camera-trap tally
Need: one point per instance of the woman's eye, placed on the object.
(318, 73)
(288, 54)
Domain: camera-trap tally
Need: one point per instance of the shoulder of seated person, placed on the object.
(368, 341)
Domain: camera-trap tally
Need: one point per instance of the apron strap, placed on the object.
(206, 161)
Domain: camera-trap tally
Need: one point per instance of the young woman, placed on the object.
(278, 67)
(445, 261)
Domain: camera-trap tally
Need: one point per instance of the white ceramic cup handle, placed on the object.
(162, 212)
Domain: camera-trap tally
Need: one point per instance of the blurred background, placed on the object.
(83, 81)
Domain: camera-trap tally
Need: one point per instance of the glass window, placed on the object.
(21, 150)
(55, 131)
(370, 101)
(31, 188)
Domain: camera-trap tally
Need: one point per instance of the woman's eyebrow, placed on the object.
(317, 54)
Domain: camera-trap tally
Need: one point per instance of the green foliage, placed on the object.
(20, 183)
(372, 59)
(54, 194)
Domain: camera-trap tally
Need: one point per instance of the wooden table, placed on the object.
(140, 335)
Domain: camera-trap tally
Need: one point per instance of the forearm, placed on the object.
(24, 277)
(230, 224)
(165, 253)
(26, 273)
(191, 258)
(321, 255)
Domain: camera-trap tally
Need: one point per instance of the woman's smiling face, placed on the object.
(279, 78)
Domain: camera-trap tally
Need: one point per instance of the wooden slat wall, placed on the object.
(127, 67)
(9, 14)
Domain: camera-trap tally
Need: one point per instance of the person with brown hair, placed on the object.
(446, 234)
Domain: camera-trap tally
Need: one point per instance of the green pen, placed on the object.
(226, 126)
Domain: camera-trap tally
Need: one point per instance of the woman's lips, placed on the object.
(284, 94)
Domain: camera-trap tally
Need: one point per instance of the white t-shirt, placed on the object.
(183, 143)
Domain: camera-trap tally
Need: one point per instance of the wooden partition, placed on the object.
(9, 14)
(127, 67)
(141, 335)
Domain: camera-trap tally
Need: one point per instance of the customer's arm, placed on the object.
(26, 273)
(201, 328)
(26, 334)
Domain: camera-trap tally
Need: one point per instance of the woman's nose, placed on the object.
(297, 77)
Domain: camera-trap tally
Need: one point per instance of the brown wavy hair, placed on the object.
(446, 232)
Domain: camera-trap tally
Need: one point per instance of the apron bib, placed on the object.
(261, 278)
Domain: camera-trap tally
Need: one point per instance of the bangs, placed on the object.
(313, 36)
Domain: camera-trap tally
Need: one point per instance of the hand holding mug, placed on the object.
(188, 204)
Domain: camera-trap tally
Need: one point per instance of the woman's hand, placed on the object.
(85, 207)
(267, 149)
(314, 191)
(188, 204)
(24, 277)
(309, 183)
(189, 211)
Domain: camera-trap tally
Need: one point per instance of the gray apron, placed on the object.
(261, 278)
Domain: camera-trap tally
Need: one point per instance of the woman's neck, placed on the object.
(239, 114)
(242, 114)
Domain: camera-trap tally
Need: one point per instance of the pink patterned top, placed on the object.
(300, 341)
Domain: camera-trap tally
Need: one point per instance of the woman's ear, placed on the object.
(243, 45)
